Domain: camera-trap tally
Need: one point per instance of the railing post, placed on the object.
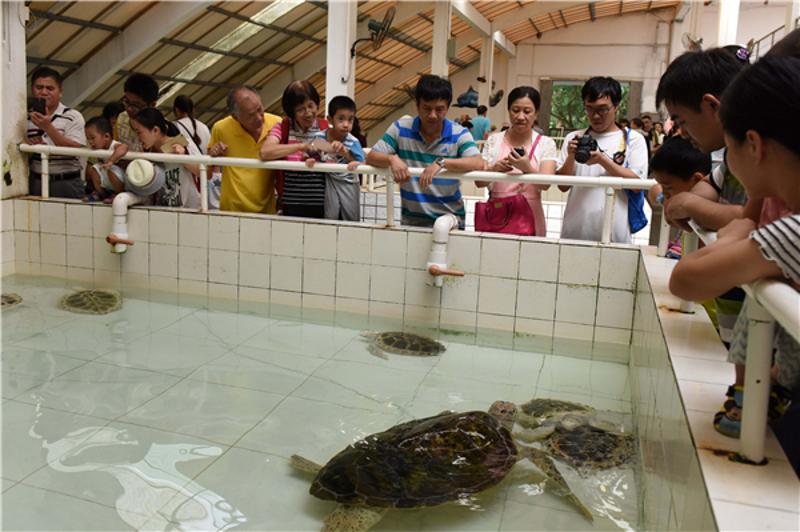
(760, 337)
(203, 188)
(389, 201)
(690, 244)
(608, 215)
(663, 235)
(45, 184)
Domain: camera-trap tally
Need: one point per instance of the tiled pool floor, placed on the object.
(159, 416)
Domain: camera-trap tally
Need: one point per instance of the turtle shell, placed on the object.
(92, 301)
(11, 300)
(587, 447)
(423, 462)
(542, 409)
(403, 343)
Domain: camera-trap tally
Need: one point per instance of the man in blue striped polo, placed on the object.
(431, 141)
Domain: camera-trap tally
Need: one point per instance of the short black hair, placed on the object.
(773, 82)
(338, 103)
(143, 86)
(430, 88)
(600, 86)
(637, 122)
(646, 116)
(295, 94)
(693, 74)
(112, 110)
(482, 109)
(741, 53)
(101, 124)
(789, 45)
(46, 72)
(678, 157)
(524, 91)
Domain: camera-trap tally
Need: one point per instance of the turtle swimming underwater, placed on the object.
(402, 343)
(92, 301)
(424, 462)
(538, 410)
(576, 437)
(11, 300)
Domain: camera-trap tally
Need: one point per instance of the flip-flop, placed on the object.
(728, 421)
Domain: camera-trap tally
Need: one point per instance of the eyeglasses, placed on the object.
(600, 111)
(135, 107)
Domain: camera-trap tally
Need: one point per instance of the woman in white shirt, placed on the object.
(538, 153)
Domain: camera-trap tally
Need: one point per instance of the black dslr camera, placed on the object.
(586, 145)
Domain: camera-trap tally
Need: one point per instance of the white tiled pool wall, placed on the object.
(528, 290)
(674, 492)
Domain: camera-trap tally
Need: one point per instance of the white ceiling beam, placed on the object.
(137, 38)
(504, 43)
(472, 16)
(315, 61)
(531, 10)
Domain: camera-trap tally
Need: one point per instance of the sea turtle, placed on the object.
(424, 462)
(402, 343)
(92, 301)
(538, 410)
(11, 300)
(574, 436)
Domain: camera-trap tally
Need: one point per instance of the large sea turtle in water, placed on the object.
(571, 433)
(402, 343)
(92, 301)
(424, 462)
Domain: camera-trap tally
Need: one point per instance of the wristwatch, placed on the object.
(440, 163)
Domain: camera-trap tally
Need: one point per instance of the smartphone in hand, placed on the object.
(37, 105)
(520, 151)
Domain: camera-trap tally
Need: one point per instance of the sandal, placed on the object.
(94, 197)
(728, 421)
(779, 400)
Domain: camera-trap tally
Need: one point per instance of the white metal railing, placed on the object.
(611, 184)
(768, 301)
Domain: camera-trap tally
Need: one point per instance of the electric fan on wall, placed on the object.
(378, 31)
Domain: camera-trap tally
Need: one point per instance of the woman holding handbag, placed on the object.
(517, 150)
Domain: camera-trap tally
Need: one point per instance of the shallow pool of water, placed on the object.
(160, 416)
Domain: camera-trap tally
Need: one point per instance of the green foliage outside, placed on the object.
(567, 112)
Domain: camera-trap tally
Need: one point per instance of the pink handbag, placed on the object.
(511, 215)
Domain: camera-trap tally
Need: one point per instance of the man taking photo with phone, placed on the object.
(51, 122)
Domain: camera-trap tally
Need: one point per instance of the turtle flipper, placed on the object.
(532, 435)
(377, 351)
(304, 464)
(352, 519)
(557, 482)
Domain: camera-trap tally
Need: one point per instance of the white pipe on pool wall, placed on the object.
(118, 237)
(437, 262)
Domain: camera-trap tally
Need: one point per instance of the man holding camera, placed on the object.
(51, 122)
(604, 149)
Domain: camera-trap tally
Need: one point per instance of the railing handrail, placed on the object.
(780, 299)
(207, 160)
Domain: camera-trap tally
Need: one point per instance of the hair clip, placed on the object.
(743, 54)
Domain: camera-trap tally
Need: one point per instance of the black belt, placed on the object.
(58, 177)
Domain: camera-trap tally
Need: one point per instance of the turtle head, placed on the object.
(505, 412)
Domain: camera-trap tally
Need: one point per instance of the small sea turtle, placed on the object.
(402, 343)
(92, 301)
(11, 300)
(575, 436)
(425, 462)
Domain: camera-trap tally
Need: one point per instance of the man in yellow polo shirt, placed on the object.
(241, 135)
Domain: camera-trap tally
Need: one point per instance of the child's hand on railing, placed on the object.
(352, 165)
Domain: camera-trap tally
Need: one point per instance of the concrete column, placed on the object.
(792, 14)
(441, 34)
(486, 70)
(13, 94)
(340, 74)
(728, 22)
